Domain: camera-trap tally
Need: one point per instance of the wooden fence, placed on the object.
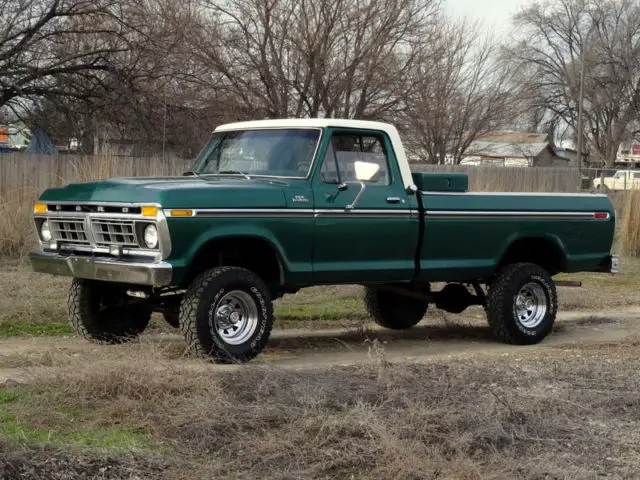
(21, 172)
(513, 179)
(34, 173)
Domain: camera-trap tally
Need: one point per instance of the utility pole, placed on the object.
(583, 61)
(164, 121)
(581, 113)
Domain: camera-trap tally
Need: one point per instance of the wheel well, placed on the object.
(254, 254)
(539, 250)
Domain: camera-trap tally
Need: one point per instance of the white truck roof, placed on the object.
(387, 128)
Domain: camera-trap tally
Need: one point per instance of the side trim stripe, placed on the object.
(514, 194)
(252, 212)
(292, 213)
(516, 214)
(391, 213)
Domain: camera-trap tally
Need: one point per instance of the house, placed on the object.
(628, 156)
(13, 137)
(514, 149)
(569, 153)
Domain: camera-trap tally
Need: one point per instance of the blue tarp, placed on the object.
(41, 144)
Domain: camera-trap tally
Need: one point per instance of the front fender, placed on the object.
(190, 246)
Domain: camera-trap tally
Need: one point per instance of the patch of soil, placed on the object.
(50, 464)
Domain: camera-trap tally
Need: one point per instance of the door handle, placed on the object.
(393, 199)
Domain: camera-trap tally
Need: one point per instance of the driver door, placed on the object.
(373, 240)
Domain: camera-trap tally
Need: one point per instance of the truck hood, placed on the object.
(176, 192)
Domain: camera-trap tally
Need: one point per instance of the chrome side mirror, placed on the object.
(365, 172)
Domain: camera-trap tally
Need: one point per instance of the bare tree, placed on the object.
(150, 95)
(462, 91)
(60, 48)
(343, 58)
(567, 44)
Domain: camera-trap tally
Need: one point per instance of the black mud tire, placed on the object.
(394, 311)
(102, 312)
(204, 298)
(501, 305)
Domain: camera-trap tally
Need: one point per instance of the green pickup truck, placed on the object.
(274, 206)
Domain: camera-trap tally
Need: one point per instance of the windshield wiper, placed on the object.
(234, 172)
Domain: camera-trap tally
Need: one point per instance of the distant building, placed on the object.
(514, 149)
(628, 155)
(569, 154)
(14, 137)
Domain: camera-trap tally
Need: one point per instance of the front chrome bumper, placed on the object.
(156, 274)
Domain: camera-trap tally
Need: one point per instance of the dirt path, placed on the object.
(308, 349)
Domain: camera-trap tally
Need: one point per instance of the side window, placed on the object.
(346, 149)
(636, 175)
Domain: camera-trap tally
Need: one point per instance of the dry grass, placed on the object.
(570, 413)
(34, 298)
(17, 231)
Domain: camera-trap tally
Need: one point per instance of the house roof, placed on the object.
(505, 150)
(514, 137)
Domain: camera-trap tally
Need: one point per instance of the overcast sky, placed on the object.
(496, 14)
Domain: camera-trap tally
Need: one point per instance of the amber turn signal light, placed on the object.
(181, 213)
(40, 208)
(149, 211)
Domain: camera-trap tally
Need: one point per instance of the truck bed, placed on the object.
(469, 234)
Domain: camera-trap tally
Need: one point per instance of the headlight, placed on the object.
(45, 232)
(151, 236)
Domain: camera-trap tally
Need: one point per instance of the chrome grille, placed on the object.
(109, 232)
(68, 230)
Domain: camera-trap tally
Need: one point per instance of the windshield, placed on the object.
(270, 152)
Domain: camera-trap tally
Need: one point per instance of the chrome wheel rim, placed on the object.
(531, 305)
(236, 317)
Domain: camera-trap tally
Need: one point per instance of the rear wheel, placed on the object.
(227, 314)
(394, 311)
(103, 312)
(522, 304)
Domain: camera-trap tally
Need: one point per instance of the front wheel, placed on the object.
(103, 312)
(522, 304)
(227, 314)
